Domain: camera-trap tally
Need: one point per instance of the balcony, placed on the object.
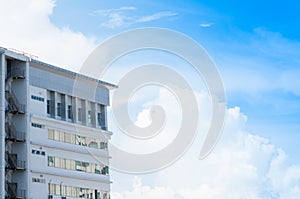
(12, 191)
(12, 162)
(12, 134)
(14, 106)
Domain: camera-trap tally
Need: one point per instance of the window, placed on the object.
(68, 164)
(63, 163)
(61, 136)
(56, 135)
(80, 114)
(90, 117)
(70, 112)
(57, 162)
(77, 165)
(50, 161)
(39, 180)
(51, 134)
(36, 125)
(99, 118)
(76, 192)
(68, 137)
(48, 107)
(76, 139)
(41, 99)
(59, 109)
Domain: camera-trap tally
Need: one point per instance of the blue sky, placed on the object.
(250, 41)
(256, 47)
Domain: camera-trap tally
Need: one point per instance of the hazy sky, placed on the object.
(256, 48)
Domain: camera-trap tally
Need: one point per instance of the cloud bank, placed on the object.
(26, 26)
(243, 165)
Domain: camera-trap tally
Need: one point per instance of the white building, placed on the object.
(53, 142)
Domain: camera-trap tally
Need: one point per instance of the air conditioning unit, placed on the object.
(50, 196)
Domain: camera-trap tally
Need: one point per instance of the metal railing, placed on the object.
(13, 162)
(12, 134)
(12, 191)
(13, 104)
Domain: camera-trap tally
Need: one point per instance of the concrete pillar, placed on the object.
(2, 130)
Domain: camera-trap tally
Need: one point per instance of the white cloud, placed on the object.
(119, 18)
(143, 118)
(243, 165)
(108, 11)
(206, 25)
(26, 26)
(156, 16)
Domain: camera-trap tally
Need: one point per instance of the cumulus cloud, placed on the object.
(26, 26)
(243, 165)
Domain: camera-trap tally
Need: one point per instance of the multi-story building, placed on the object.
(53, 136)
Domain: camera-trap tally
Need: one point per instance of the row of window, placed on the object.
(78, 192)
(34, 97)
(37, 152)
(76, 139)
(77, 165)
(39, 180)
(80, 113)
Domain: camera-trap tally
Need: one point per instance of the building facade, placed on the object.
(54, 136)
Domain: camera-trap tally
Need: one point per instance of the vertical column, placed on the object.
(27, 127)
(105, 117)
(2, 120)
(64, 107)
(52, 104)
(74, 109)
(97, 116)
(94, 114)
(84, 112)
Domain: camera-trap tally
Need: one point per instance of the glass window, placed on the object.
(72, 164)
(61, 136)
(80, 114)
(56, 135)
(68, 164)
(98, 169)
(48, 107)
(57, 189)
(63, 163)
(50, 161)
(69, 191)
(59, 109)
(51, 188)
(78, 165)
(93, 144)
(70, 112)
(90, 117)
(83, 141)
(64, 190)
(51, 134)
(57, 162)
(99, 119)
(68, 138)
